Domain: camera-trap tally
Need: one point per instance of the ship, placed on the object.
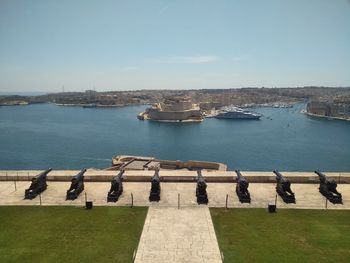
(91, 105)
(237, 113)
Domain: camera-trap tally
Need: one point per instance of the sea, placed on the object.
(46, 135)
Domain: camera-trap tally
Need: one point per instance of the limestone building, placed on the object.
(174, 109)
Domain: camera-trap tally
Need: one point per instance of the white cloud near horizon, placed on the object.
(188, 59)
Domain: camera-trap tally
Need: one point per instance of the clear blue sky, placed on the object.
(123, 45)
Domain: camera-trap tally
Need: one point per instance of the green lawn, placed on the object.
(295, 235)
(69, 234)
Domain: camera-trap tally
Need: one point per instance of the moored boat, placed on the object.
(237, 113)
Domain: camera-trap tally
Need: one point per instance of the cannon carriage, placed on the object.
(283, 188)
(242, 188)
(155, 187)
(37, 186)
(77, 186)
(328, 188)
(201, 189)
(116, 187)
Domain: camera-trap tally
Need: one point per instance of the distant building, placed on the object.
(329, 109)
(319, 108)
(176, 109)
(210, 105)
(90, 92)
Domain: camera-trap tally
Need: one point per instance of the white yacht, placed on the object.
(231, 112)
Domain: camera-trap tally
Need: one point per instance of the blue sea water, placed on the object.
(46, 135)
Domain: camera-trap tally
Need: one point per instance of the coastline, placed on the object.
(15, 104)
(143, 116)
(324, 117)
(89, 105)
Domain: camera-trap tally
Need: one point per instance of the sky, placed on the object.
(152, 44)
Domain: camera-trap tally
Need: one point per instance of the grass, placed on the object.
(254, 235)
(69, 234)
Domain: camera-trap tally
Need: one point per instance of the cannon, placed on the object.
(155, 187)
(116, 187)
(242, 188)
(328, 188)
(37, 186)
(201, 189)
(283, 188)
(77, 186)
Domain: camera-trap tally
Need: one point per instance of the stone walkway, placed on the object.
(178, 235)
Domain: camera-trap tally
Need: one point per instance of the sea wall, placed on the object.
(155, 114)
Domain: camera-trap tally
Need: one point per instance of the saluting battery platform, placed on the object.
(208, 187)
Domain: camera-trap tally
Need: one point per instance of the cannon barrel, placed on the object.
(321, 176)
(116, 187)
(156, 174)
(37, 186)
(283, 188)
(155, 187)
(42, 174)
(201, 189)
(279, 176)
(120, 174)
(239, 175)
(328, 188)
(242, 188)
(77, 186)
(118, 177)
(80, 175)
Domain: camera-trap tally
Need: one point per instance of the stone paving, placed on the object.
(307, 195)
(171, 234)
(178, 235)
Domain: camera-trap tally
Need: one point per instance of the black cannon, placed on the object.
(242, 188)
(37, 186)
(77, 186)
(201, 189)
(155, 187)
(116, 187)
(328, 188)
(283, 188)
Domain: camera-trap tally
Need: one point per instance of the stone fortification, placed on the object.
(174, 109)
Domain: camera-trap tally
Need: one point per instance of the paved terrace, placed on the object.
(178, 235)
(93, 175)
(174, 183)
(176, 228)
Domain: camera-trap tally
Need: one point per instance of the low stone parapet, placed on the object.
(92, 175)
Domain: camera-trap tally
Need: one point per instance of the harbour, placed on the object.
(42, 135)
(164, 132)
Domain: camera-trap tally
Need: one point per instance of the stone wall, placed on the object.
(155, 114)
